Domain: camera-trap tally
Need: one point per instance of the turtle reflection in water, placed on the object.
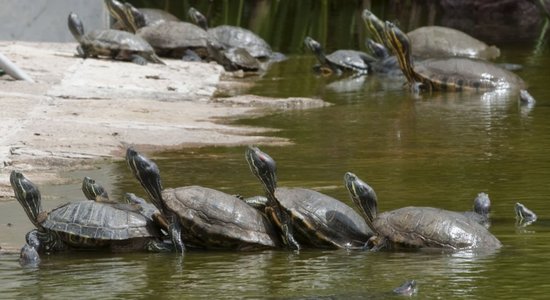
(305, 216)
(417, 227)
(203, 217)
(83, 225)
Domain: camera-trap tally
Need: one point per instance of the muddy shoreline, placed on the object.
(80, 112)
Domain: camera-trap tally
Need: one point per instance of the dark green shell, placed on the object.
(215, 220)
(173, 38)
(322, 221)
(237, 37)
(110, 42)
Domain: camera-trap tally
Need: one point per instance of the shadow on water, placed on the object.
(434, 150)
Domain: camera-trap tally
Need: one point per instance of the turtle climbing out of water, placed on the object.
(84, 224)
(203, 217)
(417, 227)
(524, 215)
(116, 44)
(339, 61)
(305, 216)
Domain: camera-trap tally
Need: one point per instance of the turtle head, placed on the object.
(28, 195)
(363, 196)
(198, 18)
(374, 25)
(482, 204)
(263, 167)
(148, 174)
(315, 47)
(133, 18)
(398, 41)
(75, 26)
(93, 190)
(378, 50)
(524, 215)
(116, 10)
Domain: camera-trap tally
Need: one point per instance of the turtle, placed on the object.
(233, 36)
(385, 63)
(203, 217)
(232, 59)
(452, 73)
(524, 216)
(93, 190)
(168, 38)
(339, 61)
(87, 225)
(29, 252)
(439, 41)
(120, 45)
(434, 41)
(150, 16)
(417, 227)
(304, 216)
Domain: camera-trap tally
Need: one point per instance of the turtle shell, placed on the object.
(458, 73)
(94, 224)
(350, 60)
(237, 37)
(433, 227)
(216, 220)
(322, 221)
(173, 38)
(110, 42)
(437, 41)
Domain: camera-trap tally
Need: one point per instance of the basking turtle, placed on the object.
(340, 61)
(232, 59)
(150, 16)
(203, 217)
(84, 224)
(454, 73)
(233, 36)
(438, 41)
(417, 227)
(120, 45)
(168, 38)
(316, 219)
(524, 216)
(434, 41)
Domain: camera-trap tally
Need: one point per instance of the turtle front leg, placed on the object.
(282, 219)
(140, 60)
(81, 52)
(158, 246)
(174, 231)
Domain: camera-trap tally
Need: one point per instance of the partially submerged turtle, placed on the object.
(149, 16)
(233, 36)
(116, 44)
(84, 224)
(453, 73)
(417, 227)
(340, 61)
(203, 217)
(305, 216)
(524, 215)
(408, 288)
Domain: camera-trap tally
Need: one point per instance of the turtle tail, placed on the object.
(28, 195)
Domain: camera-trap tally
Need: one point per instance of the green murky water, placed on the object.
(436, 150)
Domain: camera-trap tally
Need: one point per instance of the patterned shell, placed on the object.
(433, 227)
(114, 40)
(237, 37)
(99, 221)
